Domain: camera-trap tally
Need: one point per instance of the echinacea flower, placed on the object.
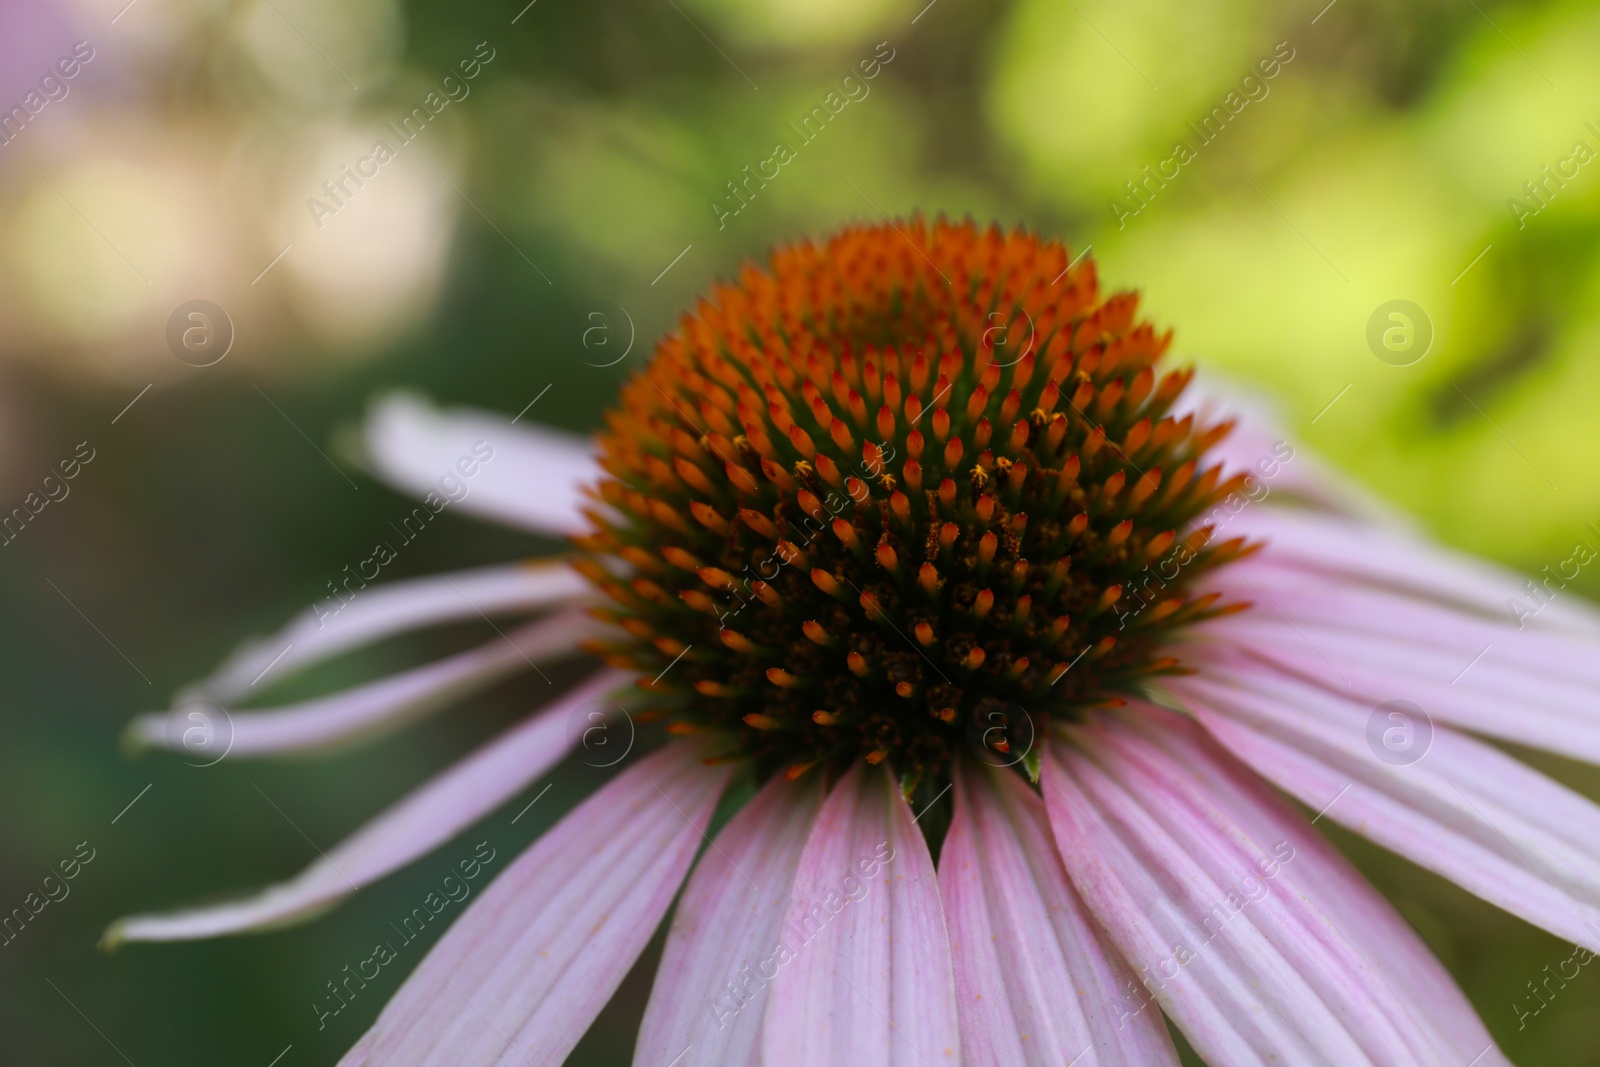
(912, 534)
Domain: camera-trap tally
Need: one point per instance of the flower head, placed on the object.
(858, 505)
(898, 484)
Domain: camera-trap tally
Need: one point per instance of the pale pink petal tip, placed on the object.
(365, 610)
(481, 463)
(210, 732)
(426, 818)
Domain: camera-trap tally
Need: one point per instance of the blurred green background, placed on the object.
(1387, 157)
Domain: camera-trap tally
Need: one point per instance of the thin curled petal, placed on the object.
(1227, 935)
(429, 816)
(1038, 984)
(525, 970)
(710, 991)
(378, 611)
(525, 475)
(1466, 810)
(366, 711)
(867, 976)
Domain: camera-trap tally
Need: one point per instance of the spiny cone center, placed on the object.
(897, 493)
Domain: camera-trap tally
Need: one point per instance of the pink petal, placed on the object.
(1378, 932)
(1389, 558)
(1465, 668)
(1311, 596)
(522, 974)
(374, 612)
(865, 978)
(1197, 876)
(363, 711)
(710, 992)
(1464, 809)
(1037, 981)
(1477, 689)
(426, 818)
(525, 474)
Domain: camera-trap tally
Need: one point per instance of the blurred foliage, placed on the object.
(590, 153)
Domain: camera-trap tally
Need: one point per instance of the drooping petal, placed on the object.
(710, 991)
(429, 816)
(364, 711)
(867, 977)
(1244, 946)
(522, 974)
(1038, 983)
(1333, 886)
(1303, 595)
(1532, 685)
(371, 614)
(1479, 689)
(523, 474)
(1460, 807)
(1387, 557)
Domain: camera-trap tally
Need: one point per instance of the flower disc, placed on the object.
(907, 491)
